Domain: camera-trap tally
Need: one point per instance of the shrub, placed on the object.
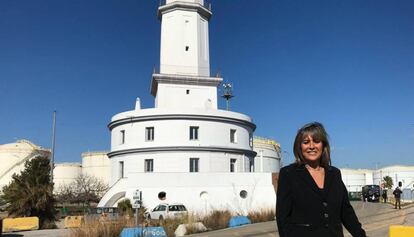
(217, 220)
(262, 215)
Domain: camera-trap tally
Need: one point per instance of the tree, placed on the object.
(85, 189)
(388, 182)
(125, 207)
(31, 192)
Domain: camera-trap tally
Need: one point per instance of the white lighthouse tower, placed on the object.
(185, 149)
(184, 80)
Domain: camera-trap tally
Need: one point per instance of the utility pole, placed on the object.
(52, 157)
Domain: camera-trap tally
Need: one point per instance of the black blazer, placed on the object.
(304, 210)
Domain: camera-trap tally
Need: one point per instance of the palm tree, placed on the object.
(31, 192)
(388, 182)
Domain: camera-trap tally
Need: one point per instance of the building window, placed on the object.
(233, 135)
(122, 135)
(193, 133)
(121, 169)
(149, 165)
(233, 165)
(251, 140)
(149, 134)
(187, 92)
(194, 164)
(243, 194)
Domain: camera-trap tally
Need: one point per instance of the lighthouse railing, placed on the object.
(204, 3)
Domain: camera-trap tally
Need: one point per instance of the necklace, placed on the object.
(313, 169)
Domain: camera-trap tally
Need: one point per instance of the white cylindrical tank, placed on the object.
(268, 156)
(64, 174)
(398, 173)
(97, 164)
(14, 155)
(355, 179)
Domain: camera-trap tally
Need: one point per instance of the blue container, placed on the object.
(143, 232)
(238, 221)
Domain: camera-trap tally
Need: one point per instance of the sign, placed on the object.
(137, 199)
(137, 195)
(136, 204)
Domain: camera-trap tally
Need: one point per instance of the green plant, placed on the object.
(388, 182)
(31, 192)
(125, 208)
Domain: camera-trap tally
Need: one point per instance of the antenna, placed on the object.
(228, 94)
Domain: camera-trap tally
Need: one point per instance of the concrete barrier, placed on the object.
(21, 223)
(73, 221)
(401, 231)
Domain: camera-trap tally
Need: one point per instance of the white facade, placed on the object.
(64, 174)
(97, 164)
(14, 155)
(197, 154)
(398, 173)
(268, 158)
(355, 179)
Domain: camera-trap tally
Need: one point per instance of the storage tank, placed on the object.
(97, 164)
(65, 173)
(14, 155)
(354, 179)
(268, 156)
(398, 173)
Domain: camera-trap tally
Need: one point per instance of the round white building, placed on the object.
(186, 147)
(13, 157)
(65, 174)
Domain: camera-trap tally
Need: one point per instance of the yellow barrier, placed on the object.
(21, 223)
(401, 231)
(73, 221)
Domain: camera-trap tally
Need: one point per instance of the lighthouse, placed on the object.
(185, 149)
(184, 78)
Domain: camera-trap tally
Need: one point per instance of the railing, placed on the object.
(186, 70)
(204, 3)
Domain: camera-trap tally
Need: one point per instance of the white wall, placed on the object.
(65, 173)
(177, 162)
(175, 96)
(223, 190)
(97, 164)
(176, 133)
(181, 29)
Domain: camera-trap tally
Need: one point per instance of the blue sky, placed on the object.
(348, 64)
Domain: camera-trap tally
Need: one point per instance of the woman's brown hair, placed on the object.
(318, 133)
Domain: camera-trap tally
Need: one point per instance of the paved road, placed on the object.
(375, 218)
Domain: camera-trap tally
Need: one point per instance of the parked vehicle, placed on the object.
(371, 193)
(165, 210)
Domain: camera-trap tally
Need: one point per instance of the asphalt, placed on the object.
(375, 218)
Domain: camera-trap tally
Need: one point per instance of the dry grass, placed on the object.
(216, 220)
(99, 228)
(262, 215)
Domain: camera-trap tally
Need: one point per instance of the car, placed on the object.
(371, 193)
(165, 210)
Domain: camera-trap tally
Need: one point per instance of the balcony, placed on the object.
(204, 3)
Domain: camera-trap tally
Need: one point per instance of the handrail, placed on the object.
(156, 69)
(206, 3)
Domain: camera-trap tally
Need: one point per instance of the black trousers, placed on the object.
(398, 200)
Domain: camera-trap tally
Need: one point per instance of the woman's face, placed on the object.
(311, 149)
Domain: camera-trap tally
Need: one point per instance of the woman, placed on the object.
(311, 198)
